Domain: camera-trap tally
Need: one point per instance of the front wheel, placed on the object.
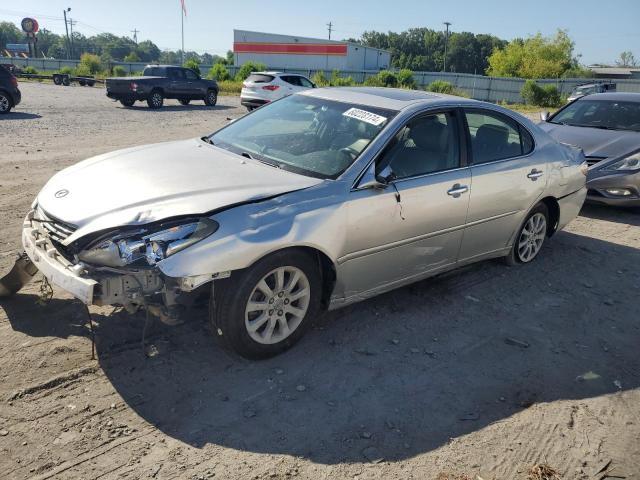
(155, 100)
(263, 310)
(531, 236)
(5, 104)
(211, 98)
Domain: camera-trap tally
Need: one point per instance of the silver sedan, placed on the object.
(313, 202)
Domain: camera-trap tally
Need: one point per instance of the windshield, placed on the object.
(311, 136)
(605, 114)
(584, 90)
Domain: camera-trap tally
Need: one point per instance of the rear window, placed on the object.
(260, 78)
(4, 71)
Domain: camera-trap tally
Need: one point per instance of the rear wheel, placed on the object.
(127, 102)
(211, 99)
(531, 236)
(184, 101)
(82, 83)
(5, 103)
(57, 79)
(263, 310)
(66, 81)
(155, 100)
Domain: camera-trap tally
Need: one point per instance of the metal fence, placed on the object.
(492, 89)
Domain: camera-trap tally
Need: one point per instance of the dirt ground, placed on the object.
(483, 372)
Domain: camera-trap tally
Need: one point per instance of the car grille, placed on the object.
(56, 230)
(591, 161)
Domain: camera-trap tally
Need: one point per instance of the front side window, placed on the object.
(306, 135)
(604, 114)
(496, 137)
(191, 75)
(176, 74)
(305, 82)
(427, 144)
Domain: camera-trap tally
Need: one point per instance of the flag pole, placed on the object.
(182, 16)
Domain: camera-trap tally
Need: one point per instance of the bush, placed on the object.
(119, 71)
(132, 57)
(82, 70)
(534, 94)
(405, 78)
(89, 64)
(440, 86)
(338, 81)
(66, 70)
(219, 73)
(193, 64)
(29, 70)
(387, 78)
(247, 68)
(230, 87)
(320, 79)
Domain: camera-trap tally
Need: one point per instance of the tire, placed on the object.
(127, 102)
(66, 81)
(211, 98)
(5, 103)
(91, 83)
(82, 83)
(276, 327)
(530, 237)
(155, 99)
(184, 101)
(57, 79)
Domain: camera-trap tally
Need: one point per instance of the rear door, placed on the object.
(508, 178)
(292, 84)
(177, 86)
(194, 85)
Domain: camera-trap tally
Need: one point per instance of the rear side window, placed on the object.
(260, 78)
(175, 74)
(496, 137)
(293, 80)
(4, 72)
(191, 75)
(153, 72)
(305, 82)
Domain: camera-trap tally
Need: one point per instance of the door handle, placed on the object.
(534, 175)
(457, 190)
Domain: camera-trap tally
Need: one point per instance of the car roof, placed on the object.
(614, 97)
(277, 73)
(383, 97)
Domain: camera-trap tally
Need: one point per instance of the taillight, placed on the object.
(271, 88)
(133, 86)
(14, 81)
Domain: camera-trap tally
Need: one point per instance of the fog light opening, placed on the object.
(618, 192)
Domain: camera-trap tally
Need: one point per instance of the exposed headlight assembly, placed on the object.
(628, 164)
(125, 249)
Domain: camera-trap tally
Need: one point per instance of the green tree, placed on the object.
(131, 57)
(193, 64)
(405, 78)
(219, 72)
(9, 33)
(627, 59)
(89, 64)
(247, 68)
(535, 57)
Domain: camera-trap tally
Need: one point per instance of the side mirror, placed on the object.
(378, 181)
(544, 116)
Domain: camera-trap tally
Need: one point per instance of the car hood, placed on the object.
(153, 182)
(595, 142)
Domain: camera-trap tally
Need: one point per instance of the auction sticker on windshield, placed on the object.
(365, 116)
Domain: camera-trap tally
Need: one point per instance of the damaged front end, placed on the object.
(119, 267)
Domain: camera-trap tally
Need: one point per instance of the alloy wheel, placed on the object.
(532, 237)
(4, 103)
(277, 305)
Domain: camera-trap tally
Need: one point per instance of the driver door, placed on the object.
(414, 226)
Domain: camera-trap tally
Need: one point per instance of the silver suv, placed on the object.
(264, 87)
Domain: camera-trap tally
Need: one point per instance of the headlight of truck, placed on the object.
(122, 250)
(630, 163)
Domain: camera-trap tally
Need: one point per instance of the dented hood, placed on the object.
(153, 182)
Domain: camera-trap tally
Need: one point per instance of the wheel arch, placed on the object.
(553, 207)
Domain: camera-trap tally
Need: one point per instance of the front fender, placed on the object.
(314, 217)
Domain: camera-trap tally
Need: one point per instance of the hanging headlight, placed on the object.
(629, 164)
(120, 251)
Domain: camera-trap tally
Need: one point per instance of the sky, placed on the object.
(601, 29)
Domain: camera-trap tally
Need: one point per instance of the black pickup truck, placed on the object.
(162, 81)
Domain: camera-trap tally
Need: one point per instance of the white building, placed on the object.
(291, 52)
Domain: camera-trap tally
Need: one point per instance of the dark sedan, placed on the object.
(607, 127)
(9, 92)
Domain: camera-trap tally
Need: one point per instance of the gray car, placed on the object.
(313, 202)
(607, 127)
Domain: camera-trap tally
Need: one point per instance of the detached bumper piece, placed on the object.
(20, 274)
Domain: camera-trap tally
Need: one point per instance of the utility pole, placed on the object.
(64, 12)
(71, 24)
(330, 28)
(446, 41)
(135, 35)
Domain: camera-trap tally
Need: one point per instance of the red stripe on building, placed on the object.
(291, 48)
